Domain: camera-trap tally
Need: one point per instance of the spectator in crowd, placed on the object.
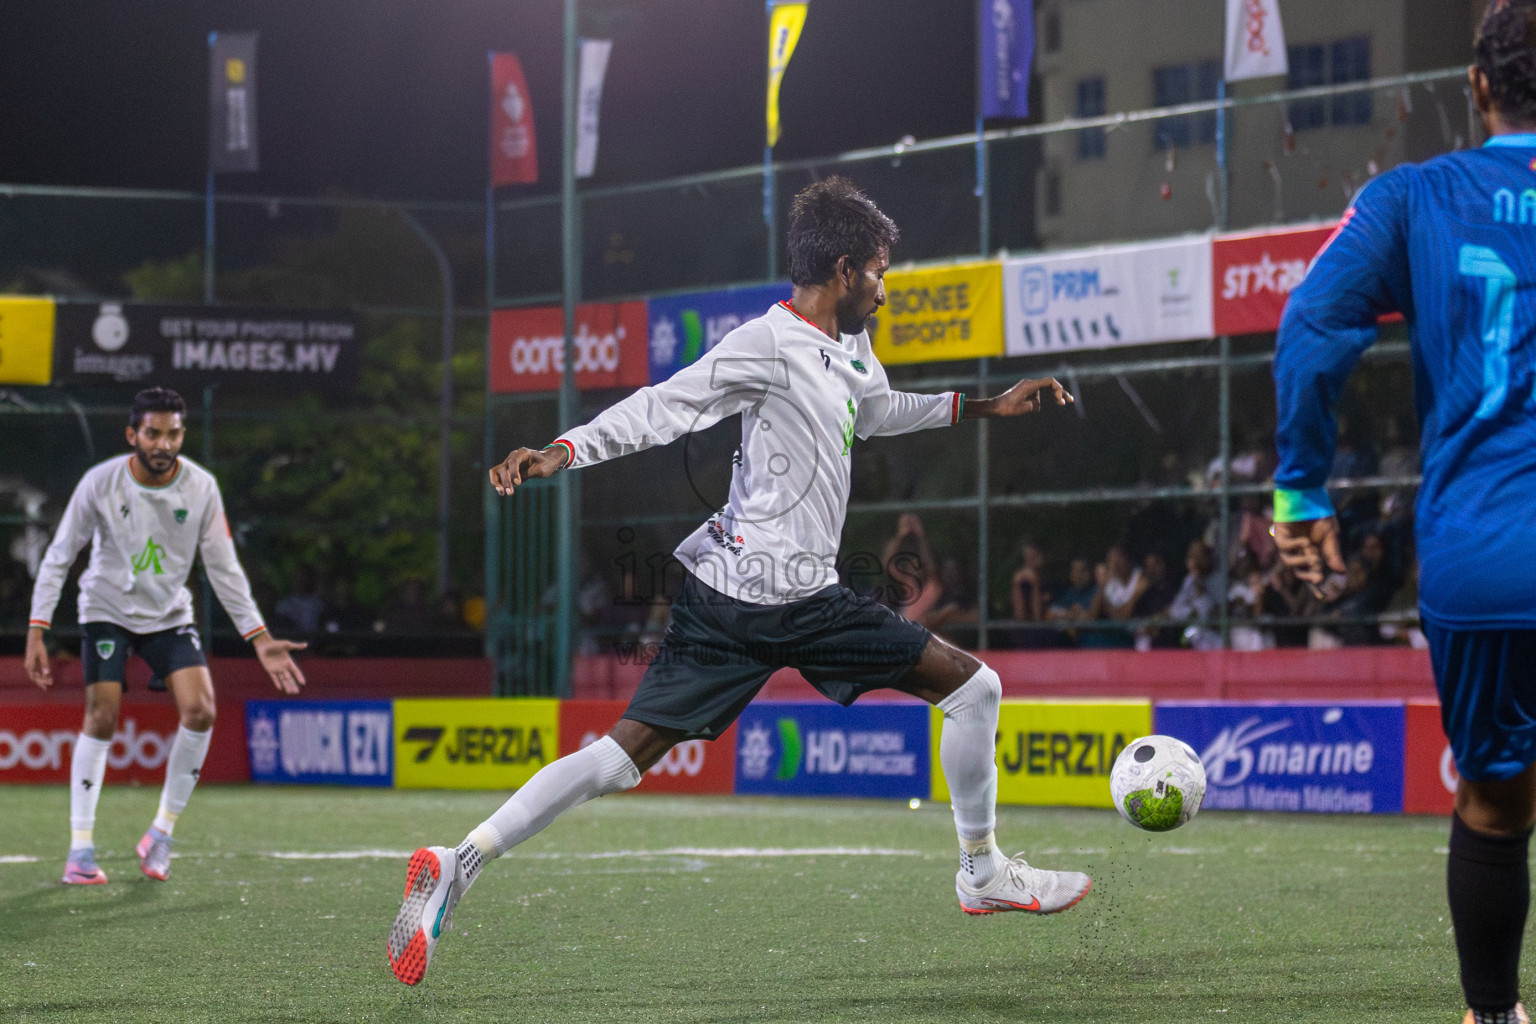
(1074, 603)
(1120, 586)
(411, 613)
(1153, 602)
(1245, 596)
(1198, 598)
(300, 612)
(954, 604)
(1030, 597)
(911, 571)
(1286, 597)
(1253, 536)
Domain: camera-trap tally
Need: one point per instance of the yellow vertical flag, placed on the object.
(26, 340)
(785, 20)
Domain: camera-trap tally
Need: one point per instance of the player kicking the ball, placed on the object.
(762, 589)
(145, 516)
(1441, 243)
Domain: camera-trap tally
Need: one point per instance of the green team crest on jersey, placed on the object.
(149, 558)
(104, 648)
(181, 515)
(848, 428)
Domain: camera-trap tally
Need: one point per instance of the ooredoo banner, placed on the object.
(472, 742)
(942, 313)
(693, 766)
(1056, 753)
(1120, 295)
(684, 327)
(528, 347)
(38, 740)
(348, 743)
(818, 749)
(1340, 757)
(1254, 274)
(1429, 770)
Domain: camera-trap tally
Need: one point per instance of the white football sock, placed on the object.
(87, 767)
(968, 755)
(182, 767)
(576, 778)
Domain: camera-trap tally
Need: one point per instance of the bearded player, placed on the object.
(762, 591)
(146, 516)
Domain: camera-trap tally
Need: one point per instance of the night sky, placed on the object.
(387, 98)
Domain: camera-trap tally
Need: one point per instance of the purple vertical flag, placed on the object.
(1006, 48)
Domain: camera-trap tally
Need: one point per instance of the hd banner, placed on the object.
(26, 340)
(943, 313)
(474, 743)
(349, 743)
(693, 766)
(684, 327)
(191, 347)
(1056, 753)
(1122, 295)
(528, 347)
(821, 749)
(1329, 758)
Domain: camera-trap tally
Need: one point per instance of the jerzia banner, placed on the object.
(190, 347)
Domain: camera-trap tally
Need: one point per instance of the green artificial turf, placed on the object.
(1252, 918)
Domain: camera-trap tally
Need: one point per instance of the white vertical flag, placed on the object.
(589, 96)
(1255, 41)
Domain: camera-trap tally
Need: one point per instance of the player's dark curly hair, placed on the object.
(829, 219)
(1506, 54)
(155, 400)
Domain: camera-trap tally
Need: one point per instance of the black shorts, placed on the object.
(718, 652)
(105, 648)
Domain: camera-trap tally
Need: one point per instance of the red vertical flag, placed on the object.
(514, 151)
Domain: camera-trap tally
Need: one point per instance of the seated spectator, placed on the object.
(1029, 594)
(954, 603)
(1074, 603)
(1197, 599)
(1153, 602)
(1121, 585)
(1286, 597)
(300, 612)
(1253, 536)
(1245, 596)
(913, 585)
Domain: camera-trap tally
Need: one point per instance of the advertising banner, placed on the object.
(821, 749)
(589, 100)
(1253, 275)
(1103, 298)
(349, 743)
(693, 766)
(191, 347)
(514, 145)
(1056, 753)
(528, 347)
(785, 20)
(684, 327)
(1429, 770)
(1007, 49)
(232, 102)
(473, 742)
(1343, 757)
(943, 313)
(1255, 40)
(38, 740)
(26, 340)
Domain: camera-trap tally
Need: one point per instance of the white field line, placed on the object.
(675, 851)
(18, 859)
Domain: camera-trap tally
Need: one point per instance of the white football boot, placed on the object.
(432, 889)
(1020, 887)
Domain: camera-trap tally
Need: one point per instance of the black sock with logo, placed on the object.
(1488, 883)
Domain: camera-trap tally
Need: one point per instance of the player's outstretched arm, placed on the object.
(276, 657)
(527, 464)
(39, 670)
(1024, 397)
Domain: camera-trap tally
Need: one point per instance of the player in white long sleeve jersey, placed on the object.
(762, 589)
(146, 516)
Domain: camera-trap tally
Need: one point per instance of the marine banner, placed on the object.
(820, 749)
(693, 766)
(474, 742)
(684, 327)
(940, 313)
(191, 347)
(26, 340)
(349, 743)
(1103, 298)
(528, 347)
(1329, 758)
(1429, 769)
(1056, 753)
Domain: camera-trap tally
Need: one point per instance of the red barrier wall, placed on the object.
(1289, 674)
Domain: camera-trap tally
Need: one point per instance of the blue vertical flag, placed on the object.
(1006, 48)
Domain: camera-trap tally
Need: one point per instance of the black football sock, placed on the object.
(1488, 882)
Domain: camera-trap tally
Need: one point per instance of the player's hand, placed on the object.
(526, 464)
(1311, 549)
(36, 661)
(275, 658)
(1025, 397)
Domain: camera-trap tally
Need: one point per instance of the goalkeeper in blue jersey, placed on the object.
(1451, 244)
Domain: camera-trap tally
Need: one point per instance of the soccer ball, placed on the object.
(1157, 783)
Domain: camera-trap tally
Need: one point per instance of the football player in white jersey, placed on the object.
(762, 588)
(146, 515)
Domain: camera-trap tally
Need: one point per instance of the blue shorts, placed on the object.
(1487, 684)
(718, 652)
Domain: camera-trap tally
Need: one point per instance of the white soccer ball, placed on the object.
(1157, 783)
